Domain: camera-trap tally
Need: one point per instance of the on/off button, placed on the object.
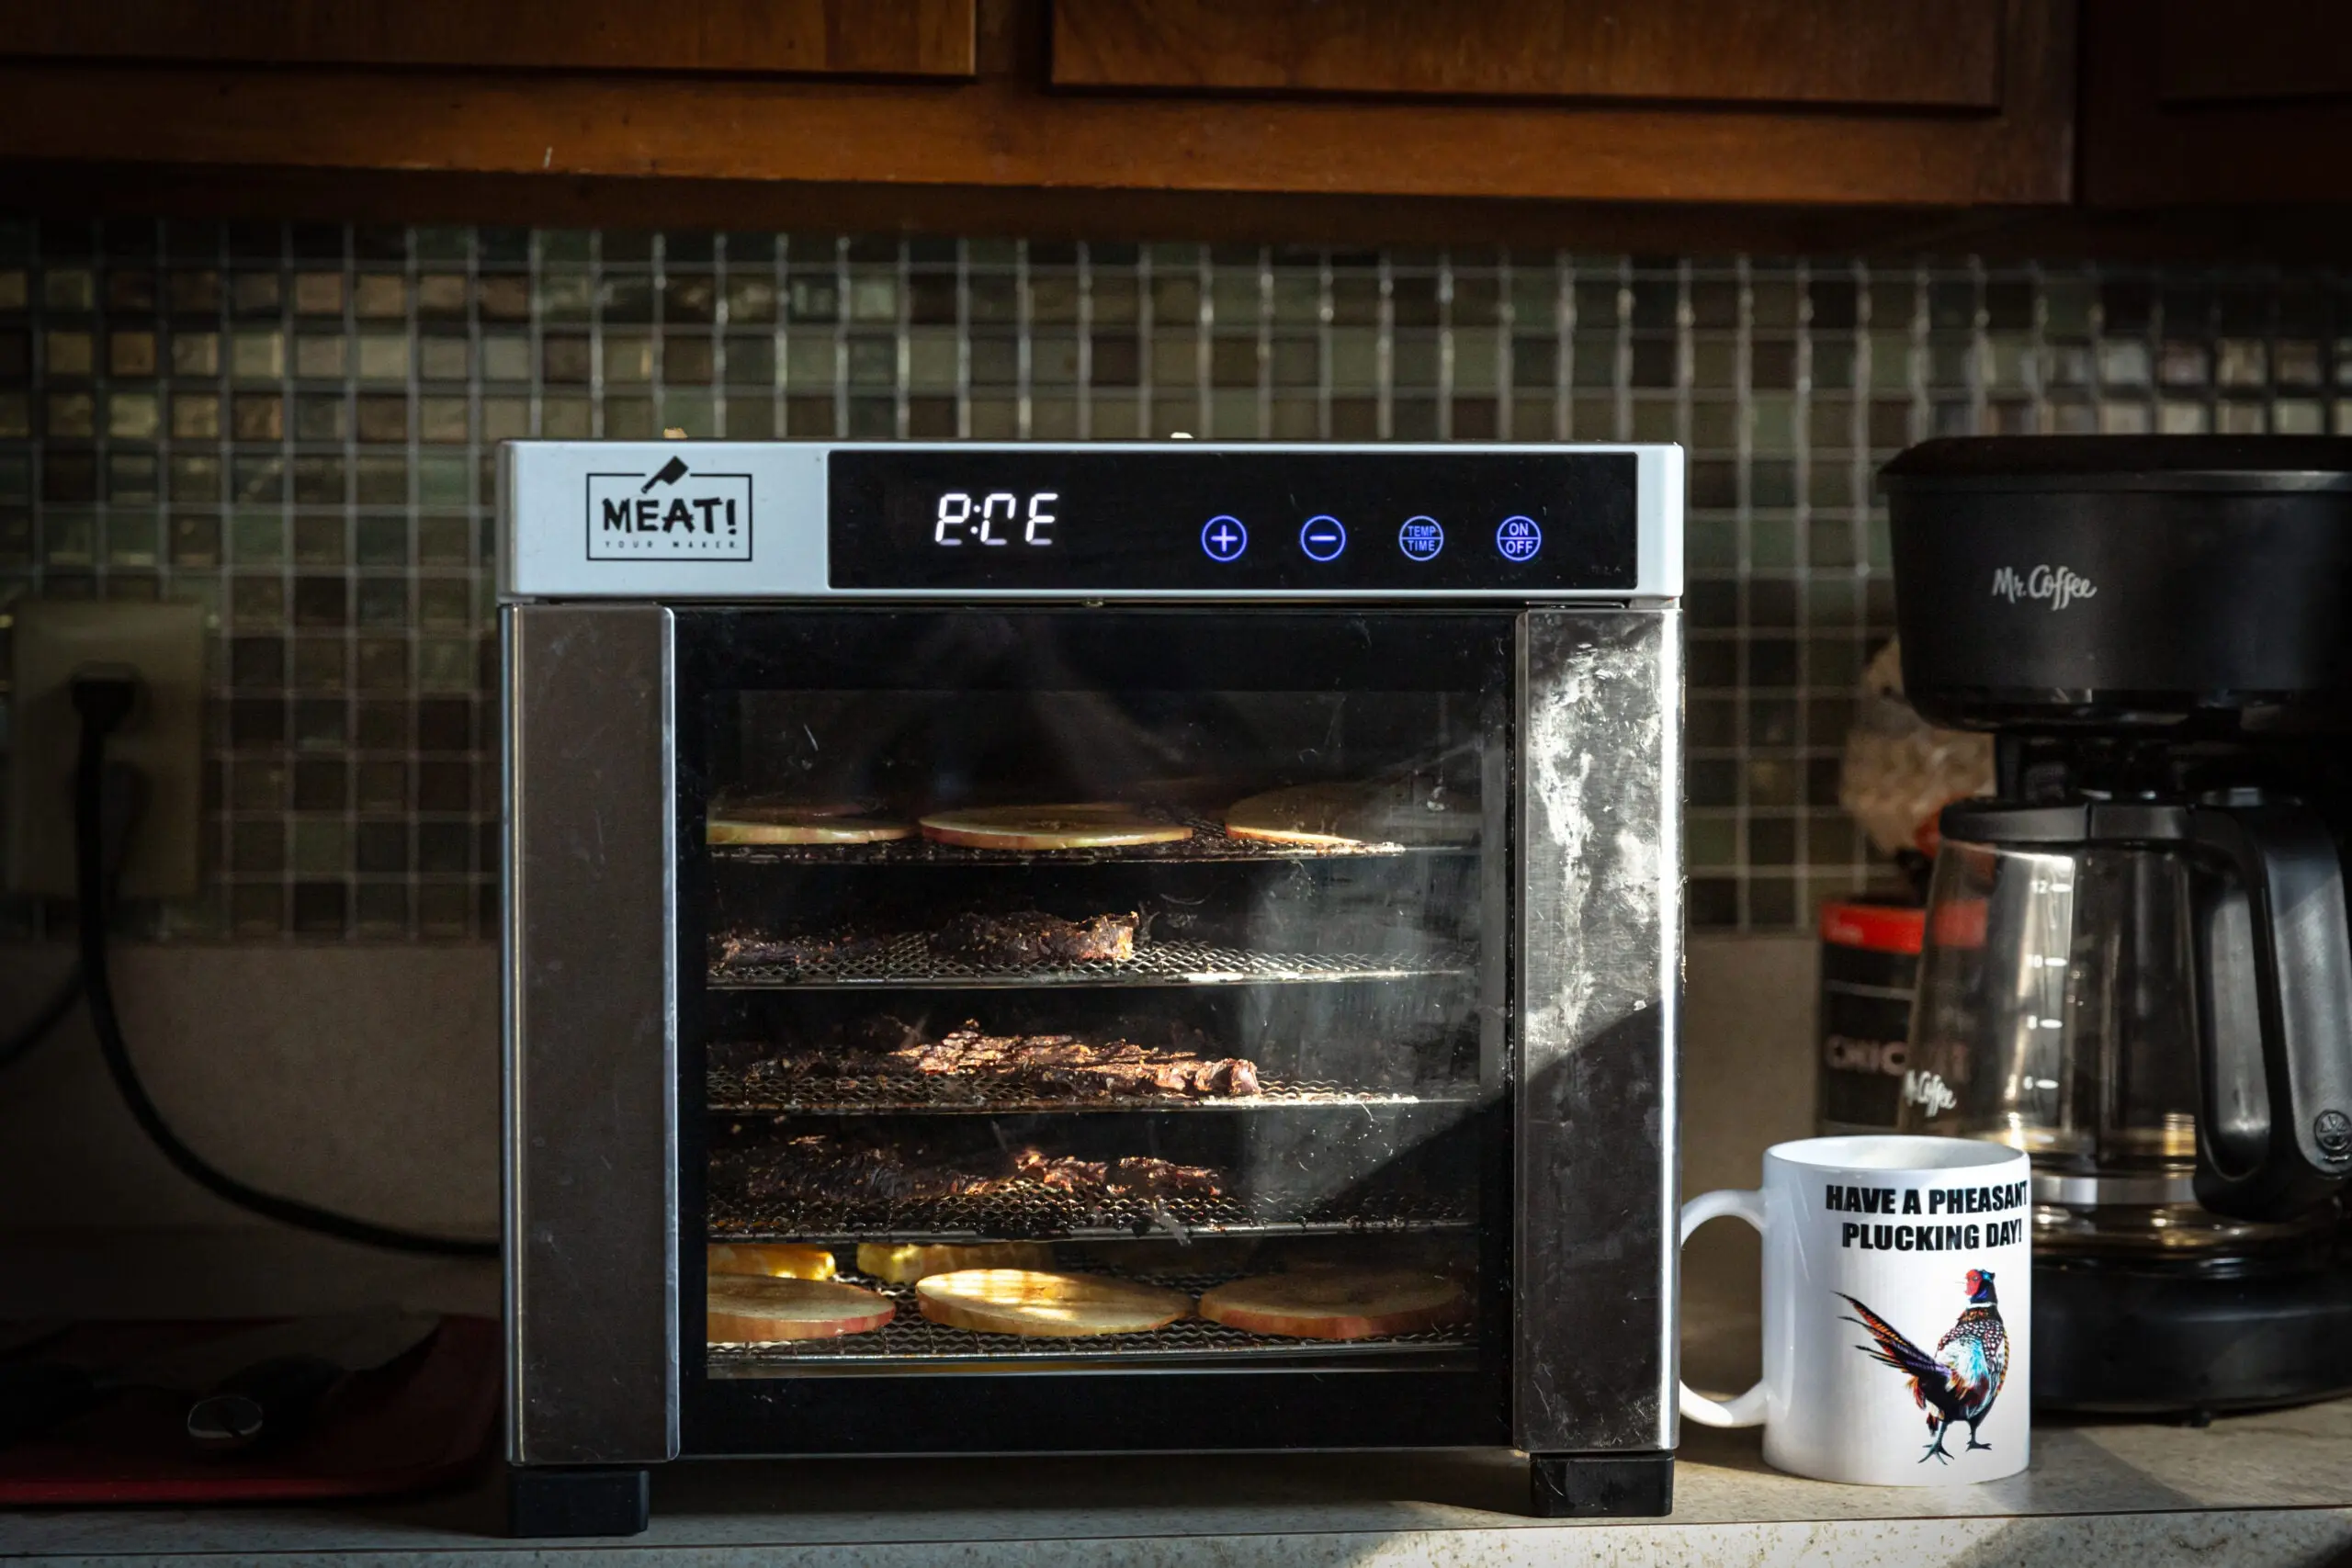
(1519, 538)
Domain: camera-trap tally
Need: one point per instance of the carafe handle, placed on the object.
(2275, 1138)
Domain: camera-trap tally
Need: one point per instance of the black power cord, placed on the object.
(103, 699)
(120, 813)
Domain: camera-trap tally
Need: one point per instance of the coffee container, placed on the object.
(1870, 965)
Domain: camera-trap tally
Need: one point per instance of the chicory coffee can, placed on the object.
(1869, 967)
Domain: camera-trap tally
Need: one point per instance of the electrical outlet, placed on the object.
(164, 738)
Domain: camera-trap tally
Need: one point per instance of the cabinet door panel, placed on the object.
(2210, 54)
(897, 38)
(2191, 103)
(1930, 54)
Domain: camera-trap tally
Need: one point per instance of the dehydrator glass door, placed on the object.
(1109, 990)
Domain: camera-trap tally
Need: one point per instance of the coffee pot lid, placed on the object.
(2051, 463)
(2074, 822)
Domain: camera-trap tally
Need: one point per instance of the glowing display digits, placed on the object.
(991, 518)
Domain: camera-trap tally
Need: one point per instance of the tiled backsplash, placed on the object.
(295, 425)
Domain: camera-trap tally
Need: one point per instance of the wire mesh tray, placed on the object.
(1033, 1212)
(911, 1337)
(750, 1091)
(1209, 842)
(910, 961)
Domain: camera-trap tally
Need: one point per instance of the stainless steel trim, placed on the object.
(591, 1026)
(2093, 1192)
(1595, 1268)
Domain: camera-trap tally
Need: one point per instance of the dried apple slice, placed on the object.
(1336, 1304)
(903, 1264)
(1042, 1306)
(1086, 824)
(775, 1260)
(754, 1307)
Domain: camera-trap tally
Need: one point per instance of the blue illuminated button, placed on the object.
(1323, 538)
(1421, 537)
(1224, 538)
(1519, 538)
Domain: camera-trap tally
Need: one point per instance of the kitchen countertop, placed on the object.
(2266, 1488)
(2256, 1489)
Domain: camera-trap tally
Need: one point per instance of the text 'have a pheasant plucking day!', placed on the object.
(2000, 1196)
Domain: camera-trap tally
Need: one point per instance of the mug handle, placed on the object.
(1747, 1410)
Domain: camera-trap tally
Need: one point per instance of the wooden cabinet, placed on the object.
(896, 38)
(1933, 55)
(1826, 103)
(2191, 102)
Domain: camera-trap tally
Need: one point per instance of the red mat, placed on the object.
(426, 1420)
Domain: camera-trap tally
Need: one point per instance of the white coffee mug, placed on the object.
(1898, 1309)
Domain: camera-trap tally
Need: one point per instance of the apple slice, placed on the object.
(1086, 825)
(1049, 1306)
(774, 822)
(906, 1263)
(754, 1307)
(1336, 1304)
(775, 1260)
(1349, 816)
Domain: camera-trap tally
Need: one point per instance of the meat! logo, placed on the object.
(672, 514)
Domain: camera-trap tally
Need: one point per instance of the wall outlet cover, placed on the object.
(54, 638)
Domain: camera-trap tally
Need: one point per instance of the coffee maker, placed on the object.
(2138, 964)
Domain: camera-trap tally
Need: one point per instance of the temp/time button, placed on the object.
(1421, 537)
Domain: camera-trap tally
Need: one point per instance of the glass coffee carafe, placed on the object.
(2147, 997)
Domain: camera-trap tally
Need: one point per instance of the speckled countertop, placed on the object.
(2263, 1489)
(2269, 1488)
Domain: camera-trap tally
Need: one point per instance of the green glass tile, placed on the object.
(1715, 364)
(1413, 360)
(321, 540)
(440, 358)
(1771, 542)
(1891, 362)
(1881, 551)
(566, 419)
(445, 478)
(445, 664)
(1111, 299)
(69, 537)
(873, 296)
(194, 478)
(1176, 301)
(1714, 425)
(1711, 542)
(320, 665)
(322, 847)
(2066, 305)
(1477, 359)
(259, 538)
(566, 296)
(1711, 841)
(133, 539)
(1656, 419)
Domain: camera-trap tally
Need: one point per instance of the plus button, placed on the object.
(1224, 538)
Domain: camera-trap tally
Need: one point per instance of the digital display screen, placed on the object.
(1232, 521)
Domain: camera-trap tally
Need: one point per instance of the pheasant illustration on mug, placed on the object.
(1962, 1377)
